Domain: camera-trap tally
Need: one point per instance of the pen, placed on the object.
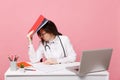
(15, 58)
(30, 69)
(12, 57)
(9, 58)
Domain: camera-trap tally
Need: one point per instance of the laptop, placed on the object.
(94, 61)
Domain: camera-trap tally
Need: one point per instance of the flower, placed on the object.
(21, 65)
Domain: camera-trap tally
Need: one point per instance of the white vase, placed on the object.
(21, 69)
(13, 66)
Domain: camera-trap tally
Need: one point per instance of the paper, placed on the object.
(48, 68)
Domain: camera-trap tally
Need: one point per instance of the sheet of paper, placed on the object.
(48, 68)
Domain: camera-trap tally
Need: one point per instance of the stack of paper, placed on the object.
(48, 68)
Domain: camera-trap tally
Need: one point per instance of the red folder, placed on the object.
(38, 24)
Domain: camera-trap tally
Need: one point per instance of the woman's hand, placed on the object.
(50, 61)
(30, 37)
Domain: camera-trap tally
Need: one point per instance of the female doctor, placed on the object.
(54, 47)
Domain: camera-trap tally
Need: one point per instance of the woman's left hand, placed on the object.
(50, 61)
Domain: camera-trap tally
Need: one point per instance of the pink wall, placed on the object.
(90, 24)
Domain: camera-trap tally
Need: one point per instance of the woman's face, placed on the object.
(45, 36)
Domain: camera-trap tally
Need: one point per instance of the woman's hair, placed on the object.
(51, 28)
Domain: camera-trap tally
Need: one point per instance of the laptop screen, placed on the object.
(95, 60)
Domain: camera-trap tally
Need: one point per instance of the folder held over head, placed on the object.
(40, 22)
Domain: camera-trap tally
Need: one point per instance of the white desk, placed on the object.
(63, 74)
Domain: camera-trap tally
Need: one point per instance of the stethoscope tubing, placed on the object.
(47, 46)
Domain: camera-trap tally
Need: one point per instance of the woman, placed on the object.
(55, 47)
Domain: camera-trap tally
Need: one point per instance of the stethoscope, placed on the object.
(48, 47)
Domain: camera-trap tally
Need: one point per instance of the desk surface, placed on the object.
(63, 74)
(64, 71)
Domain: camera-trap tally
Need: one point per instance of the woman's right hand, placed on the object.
(29, 37)
(50, 61)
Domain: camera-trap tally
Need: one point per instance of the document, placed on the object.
(48, 68)
(52, 68)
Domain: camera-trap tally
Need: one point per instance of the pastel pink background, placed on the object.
(90, 24)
